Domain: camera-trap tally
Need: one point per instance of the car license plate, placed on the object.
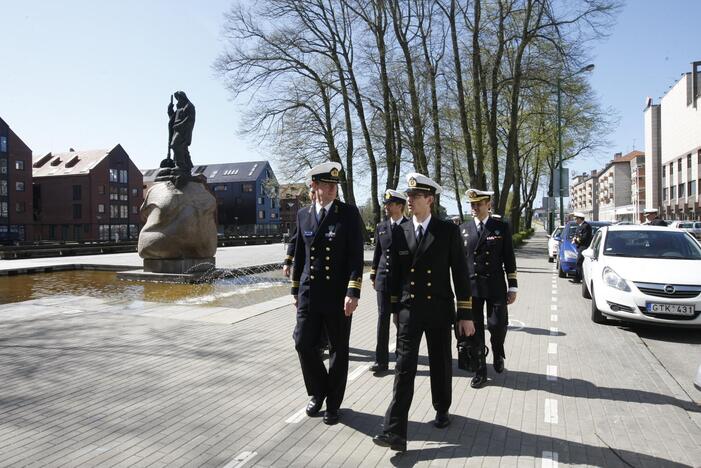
(672, 309)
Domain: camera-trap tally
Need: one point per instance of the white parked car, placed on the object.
(554, 243)
(648, 274)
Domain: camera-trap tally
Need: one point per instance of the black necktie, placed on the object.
(322, 214)
(480, 228)
(420, 235)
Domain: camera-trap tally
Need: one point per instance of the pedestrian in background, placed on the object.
(394, 205)
(489, 253)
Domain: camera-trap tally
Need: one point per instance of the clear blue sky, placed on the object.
(90, 74)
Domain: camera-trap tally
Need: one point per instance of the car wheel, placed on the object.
(560, 271)
(585, 290)
(596, 315)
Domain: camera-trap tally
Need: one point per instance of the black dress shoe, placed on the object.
(575, 281)
(331, 417)
(377, 367)
(498, 364)
(390, 440)
(314, 405)
(442, 419)
(478, 381)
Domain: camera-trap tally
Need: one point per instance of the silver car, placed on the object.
(694, 227)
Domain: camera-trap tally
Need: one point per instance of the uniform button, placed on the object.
(312, 267)
(328, 249)
(313, 248)
(312, 257)
(312, 277)
(328, 277)
(428, 297)
(412, 296)
(428, 271)
(486, 263)
(487, 252)
(475, 252)
(328, 258)
(428, 284)
(412, 283)
(328, 267)
(412, 270)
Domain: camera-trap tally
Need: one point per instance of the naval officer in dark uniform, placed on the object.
(582, 239)
(394, 204)
(425, 251)
(326, 280)
(652, 219)
(489, 252)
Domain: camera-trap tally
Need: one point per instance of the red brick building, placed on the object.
(87, 195)
(15, 187)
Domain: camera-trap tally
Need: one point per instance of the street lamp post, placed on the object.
(560, 79)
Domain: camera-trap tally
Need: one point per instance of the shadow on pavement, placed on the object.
(459, 440)
(535, 331)
(668, 334)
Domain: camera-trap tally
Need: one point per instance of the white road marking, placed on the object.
(553, 317)
(551, 373)
(549, 459)
(516, 324)
(553, 307)
(297, 417)
(241, 459)
(554, 299)
(360, 370)
(552, 348)
(553, 331)
(551, 411)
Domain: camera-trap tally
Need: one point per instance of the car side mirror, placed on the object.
(557, 238)
(588, 253)
(548, 236)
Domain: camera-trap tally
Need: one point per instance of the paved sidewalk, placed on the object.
(87, 382)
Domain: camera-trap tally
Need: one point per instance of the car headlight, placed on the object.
(612, 279)
(569, 255)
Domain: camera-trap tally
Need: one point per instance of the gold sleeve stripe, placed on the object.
(373, 271)
(295, 284)
(511, 275)
(354, 284)
(394, 299)
(465, 304)
(289, 257)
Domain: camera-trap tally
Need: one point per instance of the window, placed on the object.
(3, 144)
(19, 186)
(664, 194)
(671, 169)
(248, 188)
(134, 209)
(272, 203)
(3, 210)
(114, 211)
(3, 166)
(699, 155)
(664, 171)
(20, 207)
(692, 188)
(679, 165)
(134, 192)
(77, 211)
(100, 189)
(123, 211)
(680, 192)
(114, 175)
(673, 192)
(104, 232)
(77, 195)
(19, 165)
(688, 160)
(261, 200)
(101, 208)
(52, 231)
(220, 188)
(123, 176)
(261, 214)
(114, 193)
(3, 188)
(273, 215)
(124, 193)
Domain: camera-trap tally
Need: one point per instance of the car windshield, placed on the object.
(652, 244)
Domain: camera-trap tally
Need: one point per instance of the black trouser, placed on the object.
(384, 314)
(497, 323)
(320, 382)
(440, 363)
(578, 270)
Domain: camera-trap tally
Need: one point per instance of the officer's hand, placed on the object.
(286, 271)
(350, 305)
(510, 297)
(295, 300)
(466, 327)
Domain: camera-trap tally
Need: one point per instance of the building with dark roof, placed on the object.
(87, 195)
(246, 193)
(15, 187)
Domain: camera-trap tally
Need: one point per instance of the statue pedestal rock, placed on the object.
(180, 232)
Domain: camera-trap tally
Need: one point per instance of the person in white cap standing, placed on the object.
(326, 279)
(652, 219)
(582, 239)
(394, 204)
(489, 253)
(426, 252)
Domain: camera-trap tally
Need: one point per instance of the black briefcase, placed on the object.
(471, 354)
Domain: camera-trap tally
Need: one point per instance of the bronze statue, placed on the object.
(180, 125)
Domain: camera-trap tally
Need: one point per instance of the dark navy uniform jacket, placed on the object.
(381, 259)
(328, 258)
(488, 257)
(290, 252)
(420, 277)
(583, 236)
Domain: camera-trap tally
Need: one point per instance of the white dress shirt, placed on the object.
(424, 224)
(318, 208)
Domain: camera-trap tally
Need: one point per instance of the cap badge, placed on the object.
(388, 196)
(412, 182)
(334, 172)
